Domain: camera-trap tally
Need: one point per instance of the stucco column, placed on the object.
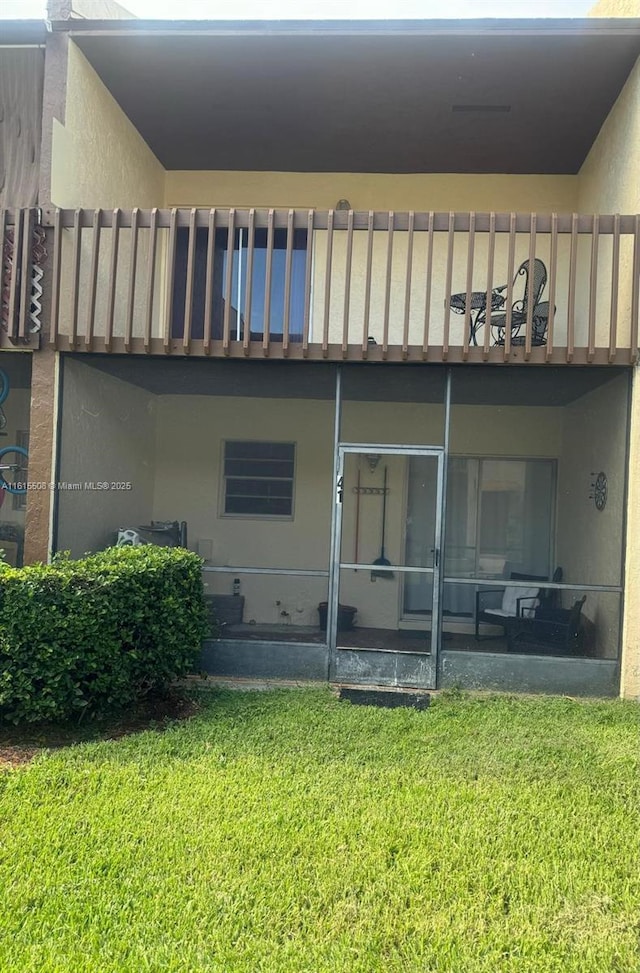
(630, 663)
(42, 442)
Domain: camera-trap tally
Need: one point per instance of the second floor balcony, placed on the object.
(345, 285)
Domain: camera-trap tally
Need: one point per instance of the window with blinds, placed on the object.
(258, 478)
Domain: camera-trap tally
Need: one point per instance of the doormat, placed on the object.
(389, 698)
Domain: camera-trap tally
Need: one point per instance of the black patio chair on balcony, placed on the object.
(534, 285)
(555, 631)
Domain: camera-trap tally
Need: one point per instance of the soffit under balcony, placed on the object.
(398, 97)
(471, 385)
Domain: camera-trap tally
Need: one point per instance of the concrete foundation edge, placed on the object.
(465, 670)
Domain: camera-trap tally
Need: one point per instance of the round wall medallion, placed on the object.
(600, 491)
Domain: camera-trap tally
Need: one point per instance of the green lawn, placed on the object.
(286, 831)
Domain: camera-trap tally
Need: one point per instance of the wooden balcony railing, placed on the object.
(343, 285)
(24, 253)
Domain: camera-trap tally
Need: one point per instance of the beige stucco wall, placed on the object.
(99, 159)
(608, 182)
(615, 8)
(378, 191)
(108, 435)
(589, 541)
(189, 435)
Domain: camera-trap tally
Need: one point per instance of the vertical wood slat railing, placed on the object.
(20, 260)
(448, 286)
(208, 293)
(615, 281)
(308, 277)
(528, 333)
(490, 261)
(593, 281)
(347, 286)
(338, 285)
(15, 274)
(93, 278)
(573, 259)
(25, 276)
(427, 293)
(188, 291)
(511, 263)
(170, 272)
(470, 252)
(407, 286)
(151, 279)
(553, 260)
(288, 264)
(387, 286)
(635, 292)
(367, 286)
(112, 281)
(228, 283)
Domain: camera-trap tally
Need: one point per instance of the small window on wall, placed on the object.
(258, 479)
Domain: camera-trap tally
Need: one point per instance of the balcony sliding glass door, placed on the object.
(499, 519)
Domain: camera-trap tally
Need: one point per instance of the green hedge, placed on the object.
(96, 634)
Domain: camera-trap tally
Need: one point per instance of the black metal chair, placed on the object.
(533, 288)
(555, 631)
(477, 309)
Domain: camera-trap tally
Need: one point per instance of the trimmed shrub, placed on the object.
(97, 634)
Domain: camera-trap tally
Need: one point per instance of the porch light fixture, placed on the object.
(343, 204)
(372, 459)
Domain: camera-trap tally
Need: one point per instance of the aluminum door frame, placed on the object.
(387, 449)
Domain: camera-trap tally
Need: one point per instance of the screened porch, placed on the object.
(412, 525)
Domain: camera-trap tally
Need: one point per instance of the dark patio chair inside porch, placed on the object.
(555, 631)
(546, 599)
(515, 601)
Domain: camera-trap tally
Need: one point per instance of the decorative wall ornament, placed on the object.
(599, 489)
(38, 258)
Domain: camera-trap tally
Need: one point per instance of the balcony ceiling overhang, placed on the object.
(424, 96)
(515, 385)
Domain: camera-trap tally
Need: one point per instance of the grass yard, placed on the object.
(285, 831)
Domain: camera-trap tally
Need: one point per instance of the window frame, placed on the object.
(238, 325)
(222, 511)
